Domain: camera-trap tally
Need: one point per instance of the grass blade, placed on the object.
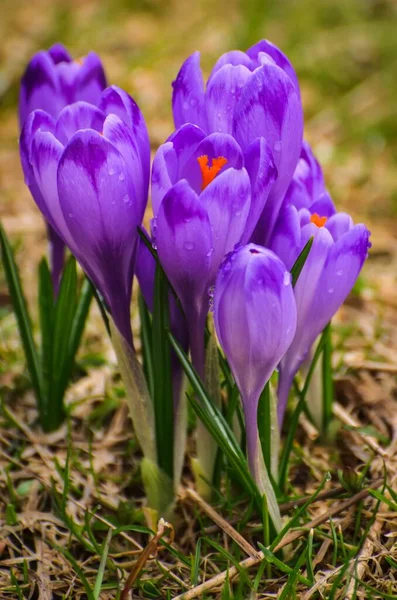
(46, 320)
(23, 320)
(65, 309)
(328, 386)
(300, 261)
(293, 424)
(217, 426)
(162, 396)
(146, 340)
(102, 565)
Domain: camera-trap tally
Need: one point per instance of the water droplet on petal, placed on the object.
(340, 272)
(188, 246)
(237, 213)
(70, 215)
(121, 176)
(277, 146)
(210, 252)
(331, 290)
(211, 291)
(185, 105)
(126, 199)
(154, 246)
(287, 278)
(111, 171)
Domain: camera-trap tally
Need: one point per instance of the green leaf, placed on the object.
(102, 565)
(216, 424)
(23, 320)
(46, 319)
(328, 385)
(300, 261)
(65, 308)
(162, 397)
(293, 424)
(146, 340)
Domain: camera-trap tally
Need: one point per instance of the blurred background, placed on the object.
(345, 54)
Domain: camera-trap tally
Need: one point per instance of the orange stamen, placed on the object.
(317, 220)
(79, 60)
(208, 173)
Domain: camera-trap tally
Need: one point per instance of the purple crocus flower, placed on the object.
(334, 262)
(89, 173)
(249, 95)
(51, 81)
(203, 206)
(255, 321)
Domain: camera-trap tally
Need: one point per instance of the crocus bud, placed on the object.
(255, 321)
(249, 95)
(88, 172)
(331, 269)
(52, 80)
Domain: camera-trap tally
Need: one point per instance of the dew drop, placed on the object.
(340, 272)
(237, 213)
(328, 476)
(111, 171)
(185, 105)
(187, 220)
(121, 176)
(210, 252)
(211, 291)
(330, 290)
(277, 146)
(287, 278)
(154, 246)
(126, 199)
(70, 215)
(188, 246)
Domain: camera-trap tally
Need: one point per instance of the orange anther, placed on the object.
(317, 220)
(209, 173)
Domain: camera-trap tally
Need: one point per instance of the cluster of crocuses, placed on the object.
(236, 195)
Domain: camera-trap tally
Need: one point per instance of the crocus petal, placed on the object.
(227, 202)
(188, 94)
(185, 140)
(79, 115)
(115, 101)
(46, 152)
(222, 94)
(170, 160)
(339, 224)
(323, 206)
(91, 80)
(102, 218)
(121, 136)
(213, 146)
(59, 53)
(270, 107)
(164, 173)
(234, 57)
(262, 172)
(343, 265)
(184, 244)
(36, 120)
(39, 88)
(306, 289)
(286, 239)
(266, 47)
